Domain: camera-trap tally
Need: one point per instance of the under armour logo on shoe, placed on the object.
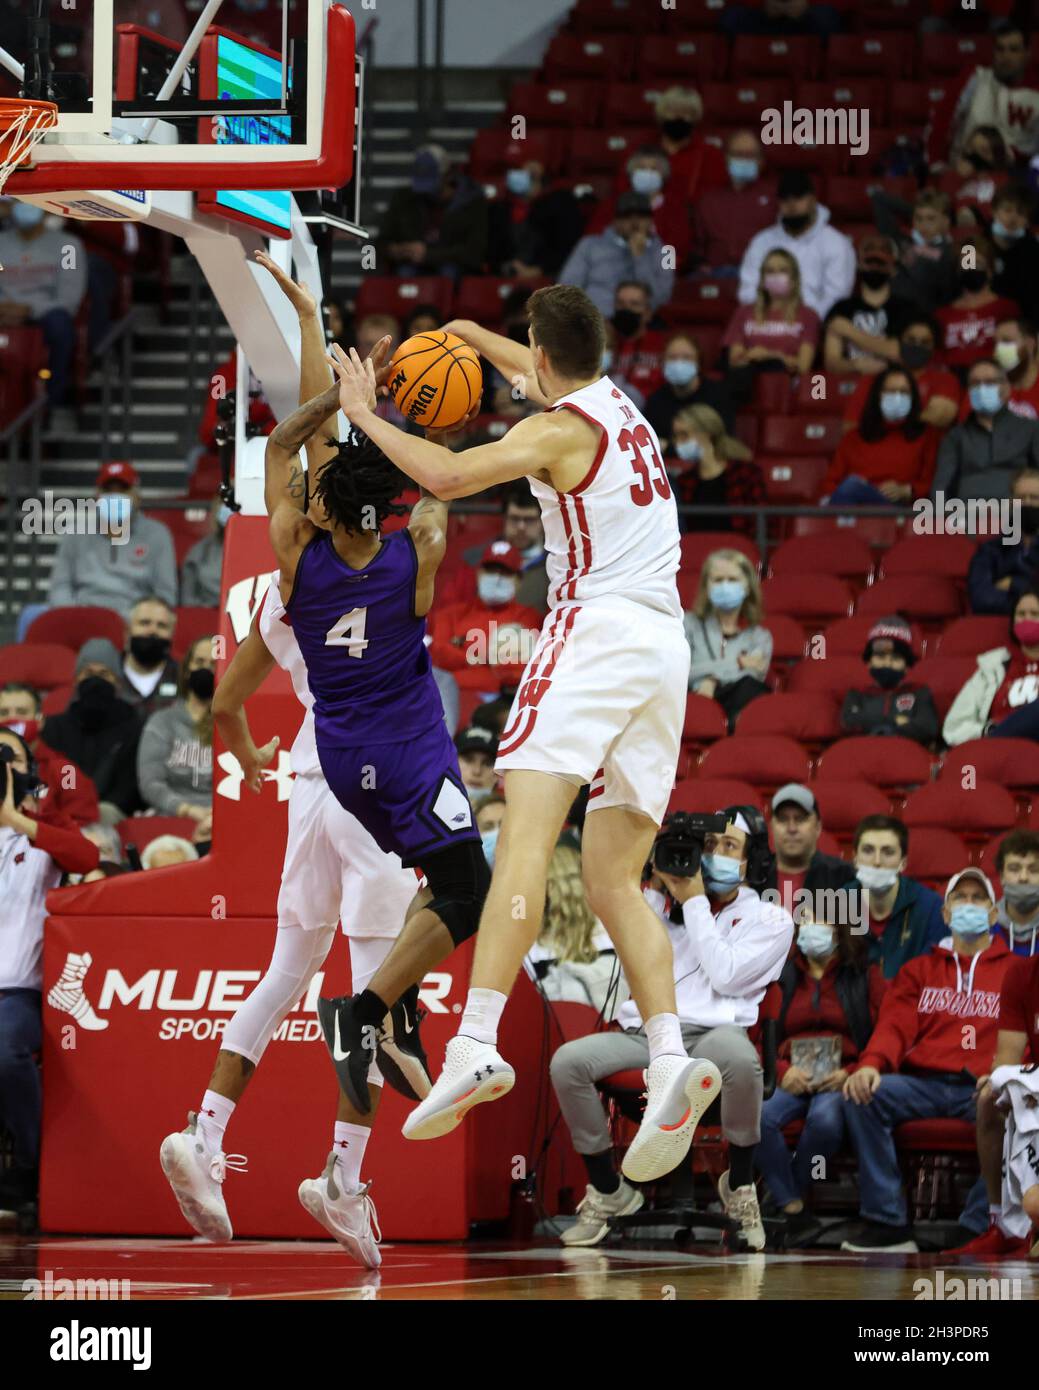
(480, 1072)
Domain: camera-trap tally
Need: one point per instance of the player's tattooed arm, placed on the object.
(283, 470)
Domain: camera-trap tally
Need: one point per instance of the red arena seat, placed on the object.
(927, 598)
(984, 810)
(801, 434)
(708, 794)
(835, 675)
(835, 552)
(1009, 762)
(976, 633)
(567, 103)
(766, 762)
(775, 56)
(193, 623)
(934, 555)
(142, 830)
(697, 545)
(945, 677)
(43, 665)
(72, 626)
(704, 722)
(700, 56)
(397, 295)
(811, 598)
(935, 854)
(892, 763)
(843, 804)
(591, 55)
(809, 718)
(869, 54)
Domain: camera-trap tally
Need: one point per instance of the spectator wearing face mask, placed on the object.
(995, 96)
(477, 748)
(731, 650)
(1017, 250)
(716, 472)
(175, 755)
(437, 225)
(149, 675)
(915, 1065)
(166, 850)
(903, 917)
(203, 564)
(99, 731)
(983, 167)
(726, 218)
(890, 457)
(611, 367)
(1015, 351)
(684, 386)
(939, 390)
(863, 332)
(777, 333)
(68, 791)
(521, 527)
(533, 227)
(648, 172)
(630, 251)
(695, 165)
(980, 457)
(968, 324)
(488, 822)
(43, 283)
(929, 263)
(485, 643)
(573, 959)
(825, 257)
(999, 699)
(891, 704)
(1000, 570)
(639, 343)
(831, 999)
(112, 568)
(1017, 911)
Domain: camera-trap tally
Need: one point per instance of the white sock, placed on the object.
(349, 1143)
(214, 1115)
(664, 1034)
(482, 1014)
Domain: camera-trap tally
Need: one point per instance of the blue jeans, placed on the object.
(856, 492)
(1021, 723)
(59, 333)
(20, 1092)
(896, 1100)
(789, 1175)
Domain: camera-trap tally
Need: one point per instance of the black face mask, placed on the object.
(794, 224)
(24, 782)
(979, 162)
(202, 683)
(677, 129)
(886, 676)
(875, 279)
(916, 355)
(95, 700)
(973, 280)
(626, 322)
(150, 650)
(1030, 519)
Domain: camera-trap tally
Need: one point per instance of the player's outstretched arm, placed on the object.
(249, 668)
(514, 360)
(283, 472)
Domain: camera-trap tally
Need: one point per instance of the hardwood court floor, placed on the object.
(285, 1270)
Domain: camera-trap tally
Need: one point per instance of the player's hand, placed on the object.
(833, 1082)
(255, 761)
(861, 1085)
(356, 380)
(295, 292)
(442, 436)
(461, 328)
(795, 1082)
(379, 358)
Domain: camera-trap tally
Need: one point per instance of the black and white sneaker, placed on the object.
(352, 1046)
(873, 1238)
(400, 1054)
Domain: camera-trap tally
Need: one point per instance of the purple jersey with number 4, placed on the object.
(367, 662)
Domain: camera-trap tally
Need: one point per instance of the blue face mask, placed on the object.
(489, 840)
(720, 872)
(920, 240)
(984, 397)
(688, 449)
(816, 939)
(999, 230)
(25, 215)
(518, 182)
(895, 405)
(727, 594)
(646, 181)
(969, 919)
(607, 360)
(742, 170)
(114, 509)
(680, 371)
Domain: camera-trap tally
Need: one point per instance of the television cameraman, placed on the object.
(728, 946)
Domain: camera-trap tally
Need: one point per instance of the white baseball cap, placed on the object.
(970, 872)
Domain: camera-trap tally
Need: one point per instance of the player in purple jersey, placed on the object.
(358, 600)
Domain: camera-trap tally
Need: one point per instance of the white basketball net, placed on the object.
(26, 130)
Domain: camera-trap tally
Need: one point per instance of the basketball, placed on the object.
(436, 379)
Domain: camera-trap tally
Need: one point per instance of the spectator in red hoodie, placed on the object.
(1018, 1034)
(34, 852)
(725, 219)
(831, 997)
(968, 324)
(933, 1041)
(890, 457)
(485, 643)
(71, 795)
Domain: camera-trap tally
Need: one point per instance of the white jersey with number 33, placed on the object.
(615, 535)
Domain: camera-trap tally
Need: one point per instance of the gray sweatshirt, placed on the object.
(200, 573)
(598, 264)
(976, 462)
(92, 569)
(715, 655)
(173, 766)
(46, 272)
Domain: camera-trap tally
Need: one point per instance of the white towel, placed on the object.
(1017, 1093)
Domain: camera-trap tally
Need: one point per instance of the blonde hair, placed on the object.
(706, 420)
(677, 100)
(763, 298)
(569, 923)
(752, 609)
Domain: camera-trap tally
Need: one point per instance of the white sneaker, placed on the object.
(679, 1090)
(473, 1072)
(196, 1175)
(741, 1203)
(594, 1213)
(347, 1214)
(68, 997)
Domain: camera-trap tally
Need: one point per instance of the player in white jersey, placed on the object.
(333, 871)
(601, 701)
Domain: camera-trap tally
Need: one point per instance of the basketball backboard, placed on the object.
(157, 108)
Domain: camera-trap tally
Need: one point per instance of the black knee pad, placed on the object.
(458, 878)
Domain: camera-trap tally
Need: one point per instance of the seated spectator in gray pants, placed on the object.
(728, 947)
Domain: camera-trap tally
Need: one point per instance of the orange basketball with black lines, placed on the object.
(435, 379)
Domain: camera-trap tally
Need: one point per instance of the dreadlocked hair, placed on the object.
(356, 488)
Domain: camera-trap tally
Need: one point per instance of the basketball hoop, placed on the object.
(23, 124)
